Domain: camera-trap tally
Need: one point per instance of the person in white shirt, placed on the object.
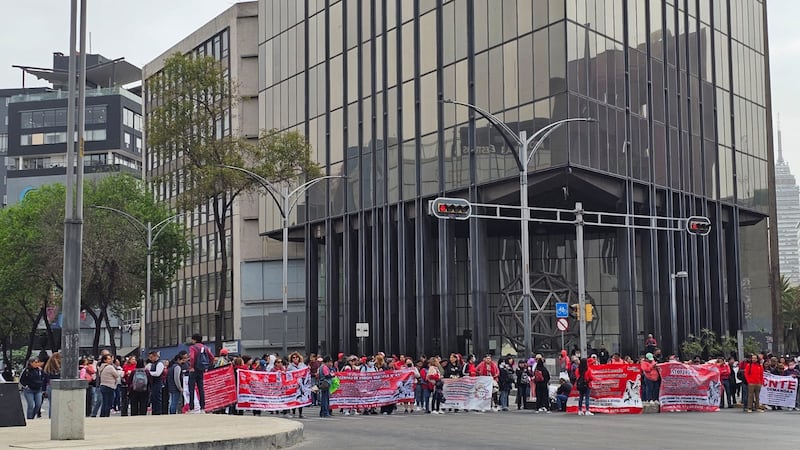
(155, 369)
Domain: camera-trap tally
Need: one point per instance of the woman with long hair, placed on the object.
(583, 384)
(296, 363)
(109, 378)
(33, 382)
(52, 371)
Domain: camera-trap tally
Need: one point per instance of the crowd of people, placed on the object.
(134, 386)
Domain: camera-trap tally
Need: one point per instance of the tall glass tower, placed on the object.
(680, 94)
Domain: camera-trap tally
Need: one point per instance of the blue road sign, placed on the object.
(562, 310)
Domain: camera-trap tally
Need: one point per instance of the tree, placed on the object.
(190, 123)
(790, 313)
(31, 252)
(115, 249)
(27, 264)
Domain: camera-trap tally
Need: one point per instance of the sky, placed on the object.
(140, 30)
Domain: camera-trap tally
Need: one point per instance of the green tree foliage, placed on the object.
(790, 313)
(190, 123)
(113, 260)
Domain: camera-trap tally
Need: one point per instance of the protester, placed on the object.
(562, 393)
(52, 371)
(524, 375)
(118, 390)
(436, 385)
(651, 378)
(754, 374)
(155, 369)
(109, 377)
(541, 379)
(175, 381)
(33, 381)
(127, 370)
(199, 362)
(725, 380)
(88, 372)
(650, 344)
(325, 375)
(505, 380)
(296, 363)
(583, 384)
(138, 389)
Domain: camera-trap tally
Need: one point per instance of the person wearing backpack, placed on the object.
(325, 374)
(583, 384)
(200, 357)
(138, 389)
(541, 380)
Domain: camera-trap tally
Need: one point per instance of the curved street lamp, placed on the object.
(288, 200)
(520, 144)
(150, 238)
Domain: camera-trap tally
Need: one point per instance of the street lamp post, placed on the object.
(521, 143)
(288, 200)
(150, 238)
(674, 307)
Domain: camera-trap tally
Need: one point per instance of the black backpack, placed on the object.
(202, 361)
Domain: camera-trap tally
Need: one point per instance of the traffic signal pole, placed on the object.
(580, 219)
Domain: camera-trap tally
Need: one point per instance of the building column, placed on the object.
(332, 299)
(312, 290)
(479, 267)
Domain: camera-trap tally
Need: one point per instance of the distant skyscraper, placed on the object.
(788, 199)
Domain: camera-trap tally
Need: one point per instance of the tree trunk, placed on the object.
(222, 289)
(51, 339)
(32, 336)
(110, 331)
(98, 323)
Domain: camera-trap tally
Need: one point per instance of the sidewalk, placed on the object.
(182, 431)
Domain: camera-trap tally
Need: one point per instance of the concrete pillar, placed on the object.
(69, 409)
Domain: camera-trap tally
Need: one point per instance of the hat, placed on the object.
(649, 356)
(223, 352)
(341, 355)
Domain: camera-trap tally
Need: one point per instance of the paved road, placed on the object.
(726, 429)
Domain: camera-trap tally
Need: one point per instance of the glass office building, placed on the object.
(680, 94)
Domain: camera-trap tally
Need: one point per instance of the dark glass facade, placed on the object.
(679, 92)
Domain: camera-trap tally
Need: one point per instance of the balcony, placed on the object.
(58, 95)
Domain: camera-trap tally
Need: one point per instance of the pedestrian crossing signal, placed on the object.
(698, 225)
(450, 208)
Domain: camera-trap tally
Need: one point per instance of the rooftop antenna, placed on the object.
(780, 142)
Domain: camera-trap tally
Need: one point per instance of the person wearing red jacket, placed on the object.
(488, 368)
(584, 386)
(754, 375)
(652, 380)
(127, 370)
(725, 379)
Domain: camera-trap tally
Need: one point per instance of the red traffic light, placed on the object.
(450, 208)
(698, 225)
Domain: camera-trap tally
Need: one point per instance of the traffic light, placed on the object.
(698, 225)
(450, 208)
(575, 311)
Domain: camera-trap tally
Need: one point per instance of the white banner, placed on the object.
(778, 391)
(473, 393)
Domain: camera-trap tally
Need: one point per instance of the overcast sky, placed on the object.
(140, 30)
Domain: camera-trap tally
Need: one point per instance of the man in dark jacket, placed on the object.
(562, 394)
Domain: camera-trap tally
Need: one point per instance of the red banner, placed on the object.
(373, 389)
(615, 389)
(273, 391)
(689, 387)
(220, 387)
